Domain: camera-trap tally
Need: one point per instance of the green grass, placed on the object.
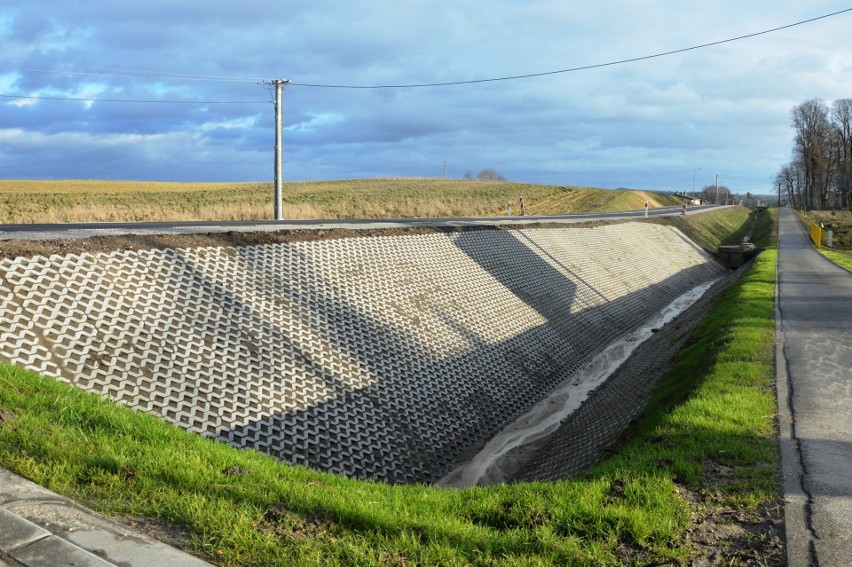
(728, 226)
(713, 228)
(763, 229)
(715, 407)
(839, 257)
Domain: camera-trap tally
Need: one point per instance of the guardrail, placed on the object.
(816, 234)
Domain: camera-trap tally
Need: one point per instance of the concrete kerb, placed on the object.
(40, 528)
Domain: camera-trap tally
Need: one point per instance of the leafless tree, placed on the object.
(709, 193)
(813, 149)
(791, 179)
(841, 121)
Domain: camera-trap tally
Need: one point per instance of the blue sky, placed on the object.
(649, 124)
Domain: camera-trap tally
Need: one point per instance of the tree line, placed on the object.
(819, 175)
(487, 174)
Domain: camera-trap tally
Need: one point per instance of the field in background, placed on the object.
(30, 202)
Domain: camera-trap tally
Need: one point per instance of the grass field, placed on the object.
(26, 202)
(704, 448)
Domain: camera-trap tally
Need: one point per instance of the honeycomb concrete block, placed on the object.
(375, 357)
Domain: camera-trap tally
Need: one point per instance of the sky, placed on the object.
(664, 123)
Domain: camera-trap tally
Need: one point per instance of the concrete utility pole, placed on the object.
(279, 111)
(717, 188)
(693, 179)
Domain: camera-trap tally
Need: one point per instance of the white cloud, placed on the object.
(644, 124)
(235, 124)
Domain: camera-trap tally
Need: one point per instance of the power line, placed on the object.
(121, 72)
(86, 70)
(573, 69)
(746, 178)
(80, 99)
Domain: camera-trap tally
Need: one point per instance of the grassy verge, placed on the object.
(728, 226)
(101, 201)
(704, 447)
(839, 257)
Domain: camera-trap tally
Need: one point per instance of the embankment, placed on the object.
(388, 357)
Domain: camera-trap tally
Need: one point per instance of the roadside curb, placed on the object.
(40, 528)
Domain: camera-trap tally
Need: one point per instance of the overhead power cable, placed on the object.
(121, 72)
(82, 99)
(743, 178)
(89, 71)
(573, 69)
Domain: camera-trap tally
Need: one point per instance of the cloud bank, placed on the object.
(649, 124)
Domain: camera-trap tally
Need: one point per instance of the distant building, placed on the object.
(690, 199)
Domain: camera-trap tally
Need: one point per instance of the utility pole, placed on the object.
(279, 120)
(693, 179)
(779, 194)
(717, 188)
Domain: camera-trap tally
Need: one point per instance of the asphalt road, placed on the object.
(83, 230)
(815, 400)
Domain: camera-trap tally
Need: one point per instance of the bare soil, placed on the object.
(96, 244)
(725, 536)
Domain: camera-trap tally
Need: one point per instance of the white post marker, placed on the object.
(646, 209)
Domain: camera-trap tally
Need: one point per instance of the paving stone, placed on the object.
(383, 357)
(129, 550)
(16, 531)
(55, 552)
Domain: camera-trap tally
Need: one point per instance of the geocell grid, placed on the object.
(376, 357)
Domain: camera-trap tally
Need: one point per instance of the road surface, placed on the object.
(84, 230)
(815, 400)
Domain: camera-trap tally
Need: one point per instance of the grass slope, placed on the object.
(94, 201)
(582, 199)
(704, 448)
(722, 227)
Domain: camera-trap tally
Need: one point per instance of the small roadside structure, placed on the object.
(738, 254)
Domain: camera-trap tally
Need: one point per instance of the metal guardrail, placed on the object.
(816, 234)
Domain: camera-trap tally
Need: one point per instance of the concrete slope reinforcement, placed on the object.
(388, 357)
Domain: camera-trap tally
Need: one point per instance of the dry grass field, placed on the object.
(29, 202)
(839, 222)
